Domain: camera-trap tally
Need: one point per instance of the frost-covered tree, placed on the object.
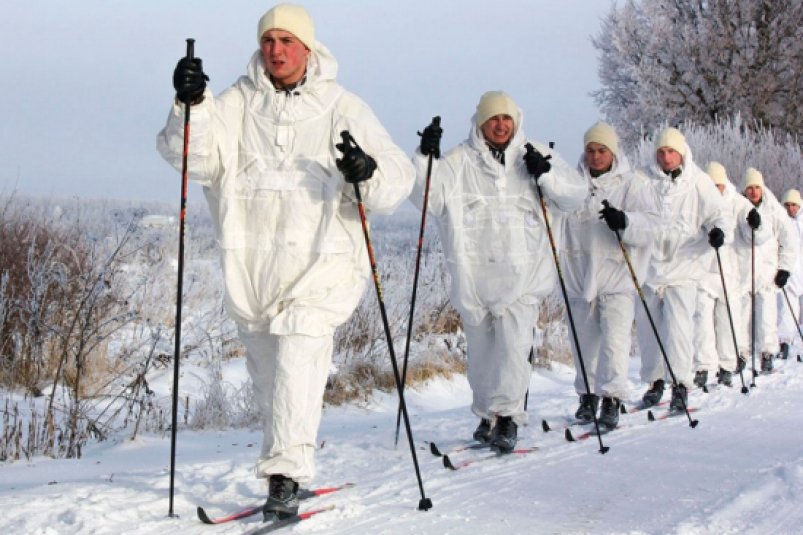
(699, 60)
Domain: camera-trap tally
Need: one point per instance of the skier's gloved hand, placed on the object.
(189, 80)
(615, 219)
(431, 138)
(754, 219)
(355, 165)
(716, 238)
(781, 278)
(536, 163)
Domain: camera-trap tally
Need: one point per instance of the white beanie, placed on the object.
(290, 18)
(672, 138)
(752, 178)
(717, 173)
(604, 134)
(791, 196)
(495, 103)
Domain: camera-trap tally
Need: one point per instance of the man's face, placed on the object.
(669, 159)
(284, 55)
(791, 208)
(721, 188)
(598, 157)
(498, 129)
(753, 194)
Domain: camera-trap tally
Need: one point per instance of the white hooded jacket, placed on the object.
(690, 206)
(490, 222)
(592, 260)
(293, 253)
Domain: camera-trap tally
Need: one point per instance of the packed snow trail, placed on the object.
(739, 471)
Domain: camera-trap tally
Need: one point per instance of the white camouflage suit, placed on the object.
(690, 206)
(293, 252)
(498, 255)
(713, 335)
(787, 330)
(598, 282)
(775, 248)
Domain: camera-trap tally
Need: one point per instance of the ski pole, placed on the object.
(692, 423)
(529, 148)
(792, 311)
(753, 304)
(745, 390)
(179, 289)
(425, 503)
(435, 121)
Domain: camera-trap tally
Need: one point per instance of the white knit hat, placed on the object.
(495, 103)
(717, 173)
(672, 138)
(791, 196)
(604, 134)
(290, 18)
(752, 178)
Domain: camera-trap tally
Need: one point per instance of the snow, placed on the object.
(739, 471)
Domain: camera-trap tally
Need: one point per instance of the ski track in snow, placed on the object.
(739, 471)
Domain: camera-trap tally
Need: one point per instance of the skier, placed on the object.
(693, 221)
(775, 253)
(598, 283)
(787, 329)
(713, 338)
(483, 197)
(270, 156)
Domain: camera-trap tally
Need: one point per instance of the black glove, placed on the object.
(781, 278)
(189, 80)
(616, 219)
(716, 238)
(431, 138)
(754, 219)
(355, 165)
(536, 163)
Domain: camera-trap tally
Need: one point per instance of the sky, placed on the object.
(86, 86)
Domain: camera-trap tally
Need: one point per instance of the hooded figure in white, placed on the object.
(693, 214)
(293, 253)
(772, 248)
(787, 328)
(497, 250)
(598, 282)
(714, 335)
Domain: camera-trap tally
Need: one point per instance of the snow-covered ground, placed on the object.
(739, 471)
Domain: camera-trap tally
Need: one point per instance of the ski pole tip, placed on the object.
(425, 504)
(693, 423)
(568, 435)
(545, 426)
(604, 449)
(650, 416)
(745, 390)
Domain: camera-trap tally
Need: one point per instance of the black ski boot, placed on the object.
(725, 377)
(654, 394)
(504, 434)
(784, 353)
(282, 498)
(588, 408)
(766, 362)
(680, 399)
(701, 378)
(483, 431)
(609, 415)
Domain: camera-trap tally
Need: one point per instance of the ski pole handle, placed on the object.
(190, 48)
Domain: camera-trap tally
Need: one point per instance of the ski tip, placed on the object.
(202, 516)
(545, 426)
(434, 450)
(622, 409)
(799, 359)
(568, 435)
(705, 389)
(447, 463)
(650, 416)
(604, 449)
(425, 504)
(693, 423)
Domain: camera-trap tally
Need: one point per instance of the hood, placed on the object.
(621, 165)
(477, 142)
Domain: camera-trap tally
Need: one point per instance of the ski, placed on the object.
(434, 450)
(280, 523)
(641, 406)
(668, 414)
(303, 494)
(566, 425)
(447, 463)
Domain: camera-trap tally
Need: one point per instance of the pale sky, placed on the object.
(86, 85)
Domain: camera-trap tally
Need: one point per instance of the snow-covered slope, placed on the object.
(739, 471)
